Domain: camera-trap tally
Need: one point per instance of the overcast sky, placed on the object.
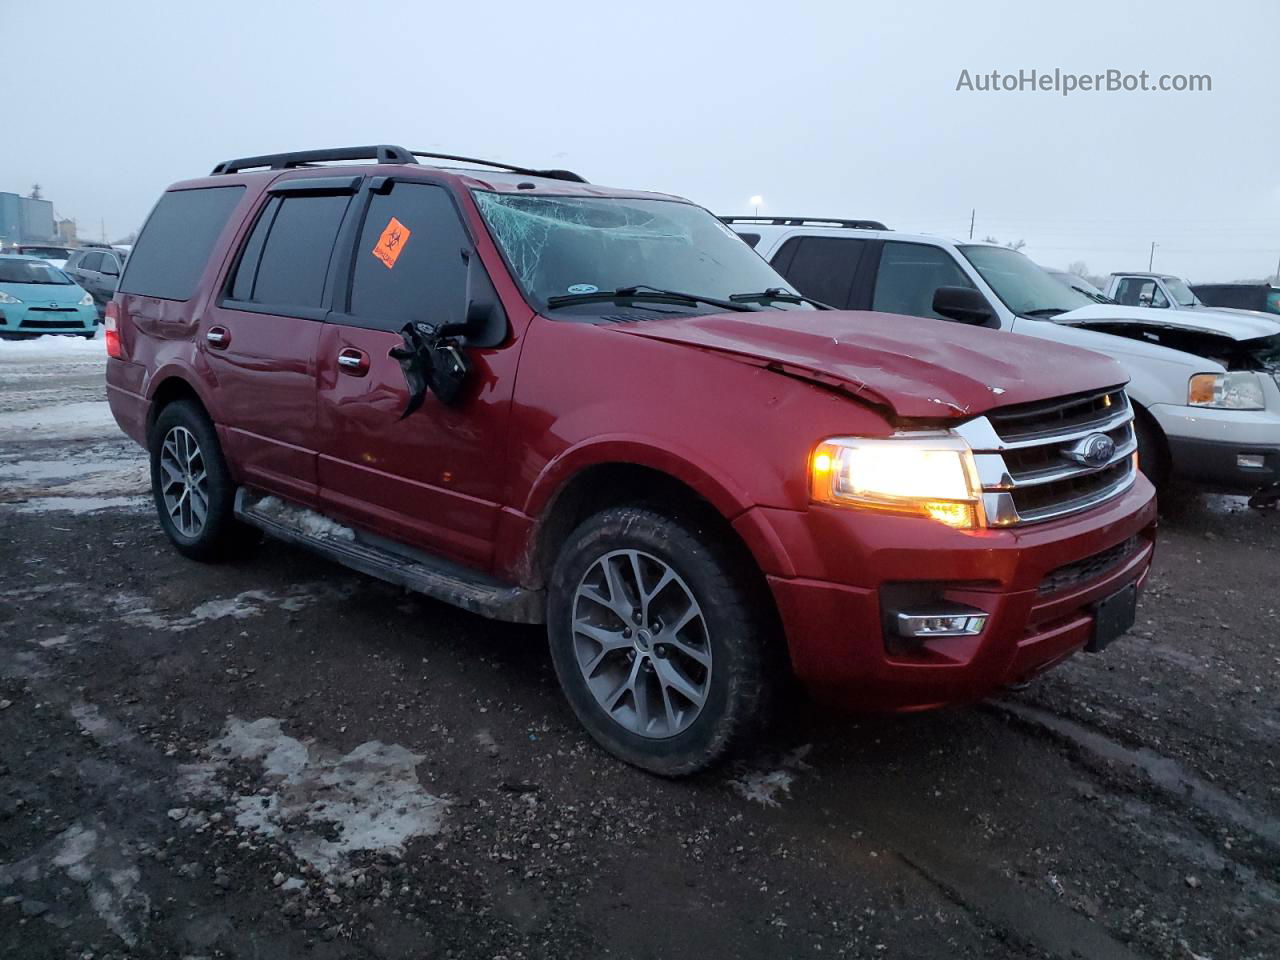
(823, 109)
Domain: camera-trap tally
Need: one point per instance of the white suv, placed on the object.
(1206, 388)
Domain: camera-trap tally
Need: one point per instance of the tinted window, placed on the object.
(109, 265)
(909, 275)
(823, 267)
(295, 254)
(750, 239)
(409, 263)
(176, 242)
(91, 261)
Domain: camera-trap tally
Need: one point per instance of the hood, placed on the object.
(1237, 325)
(36, 294)
(918, 368)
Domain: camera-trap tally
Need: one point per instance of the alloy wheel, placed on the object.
(641, 642)
(184, 482)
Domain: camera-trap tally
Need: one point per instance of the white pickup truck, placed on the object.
(1205, 383)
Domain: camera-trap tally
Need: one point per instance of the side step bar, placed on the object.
(405, 567)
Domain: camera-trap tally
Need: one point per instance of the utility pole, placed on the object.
(1151, 259)
(973, 215)
(1278, 272)
(104, 230)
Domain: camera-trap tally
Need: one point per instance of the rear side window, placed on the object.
(176, 241)
(286, 257)
(91, 261)
(910, 274)
(821, 267)
(409, 264)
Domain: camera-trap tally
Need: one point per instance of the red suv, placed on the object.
(549, 401)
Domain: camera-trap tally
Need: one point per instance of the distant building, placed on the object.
(67, 232)
(24, 220)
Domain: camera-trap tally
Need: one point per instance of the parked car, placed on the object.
(1260, 297)
(1204, 383)
(1163, 291)
(547, 401)
(55, 255)
(37, 298)
(97, 269)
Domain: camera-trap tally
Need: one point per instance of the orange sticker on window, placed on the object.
(392, 241)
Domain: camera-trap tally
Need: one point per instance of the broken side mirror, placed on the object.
(963, 305)
(484, 322)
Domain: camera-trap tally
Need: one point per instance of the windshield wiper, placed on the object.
(1044, 312)
(777, 293)
(1095, 297)
(642, 291)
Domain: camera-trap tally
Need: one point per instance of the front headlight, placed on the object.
(927, 475)
(1232, 391)
(6, 298)
(86, 300)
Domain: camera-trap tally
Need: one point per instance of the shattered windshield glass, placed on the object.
(560, 246)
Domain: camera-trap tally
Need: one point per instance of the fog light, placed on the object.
(1251, 461)
(941, 623)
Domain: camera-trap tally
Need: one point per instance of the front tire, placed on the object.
(191, 485)
(1153, 453)
(658, 644)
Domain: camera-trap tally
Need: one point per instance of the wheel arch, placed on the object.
(167, 389)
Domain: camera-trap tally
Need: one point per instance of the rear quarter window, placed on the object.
(175, 244)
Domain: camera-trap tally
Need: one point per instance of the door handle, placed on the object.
(353, 362)
(218, 337)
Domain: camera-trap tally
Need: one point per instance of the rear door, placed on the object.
(432, 479)
(89, 274)
(260, 338)
(822, 267)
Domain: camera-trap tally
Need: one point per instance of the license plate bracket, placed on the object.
(1113, 617)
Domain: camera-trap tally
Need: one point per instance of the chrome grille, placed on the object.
(1029, 456)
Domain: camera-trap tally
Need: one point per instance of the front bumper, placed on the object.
(1205, 444)
(21, 319)
(852, 567)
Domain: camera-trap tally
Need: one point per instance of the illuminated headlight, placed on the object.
(86, 300)
(6, 298)
(924, 475)
(1241, 390)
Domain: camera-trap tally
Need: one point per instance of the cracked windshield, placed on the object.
(559, 246)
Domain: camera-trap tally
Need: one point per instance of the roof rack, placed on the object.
(548, 174)
(809, 221)
(380, 153)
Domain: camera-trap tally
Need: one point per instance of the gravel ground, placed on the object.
(281, 759)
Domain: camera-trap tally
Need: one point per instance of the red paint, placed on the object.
(730, 405)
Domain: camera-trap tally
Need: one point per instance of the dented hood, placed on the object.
(1235, 324)
(919, 368)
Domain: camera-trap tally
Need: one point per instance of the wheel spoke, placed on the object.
(673, 679)
(702, 657)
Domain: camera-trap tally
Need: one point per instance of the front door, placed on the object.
(432, 479)
(260, 339)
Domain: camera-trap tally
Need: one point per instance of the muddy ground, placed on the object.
(284, 759)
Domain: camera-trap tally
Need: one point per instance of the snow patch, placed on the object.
(111, 879)
(300, 518)
(81, 505)
(367, 799)
(53, 346)
(769, 787)
(136, 611)
(67, 421)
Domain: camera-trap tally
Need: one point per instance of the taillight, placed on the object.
(112, 332)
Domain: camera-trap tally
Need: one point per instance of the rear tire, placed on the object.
(191, 485)
(658, 643)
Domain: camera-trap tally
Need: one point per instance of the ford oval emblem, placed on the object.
(1095, 450)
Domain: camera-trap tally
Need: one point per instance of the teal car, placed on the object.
(37, 298)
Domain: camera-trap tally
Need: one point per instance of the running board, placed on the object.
(405, 567)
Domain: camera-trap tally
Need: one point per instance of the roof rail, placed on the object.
(382, 153)
(548, 174)
(809, 221)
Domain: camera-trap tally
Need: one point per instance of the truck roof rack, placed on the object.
(379, 153)
(382, 153)
(527, 171)
(809, 221)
